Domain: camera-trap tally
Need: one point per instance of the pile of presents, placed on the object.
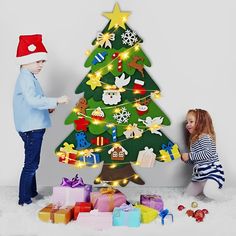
(106, 207)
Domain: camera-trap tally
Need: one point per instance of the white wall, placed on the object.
(191, 45)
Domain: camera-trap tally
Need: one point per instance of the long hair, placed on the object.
(203, 125)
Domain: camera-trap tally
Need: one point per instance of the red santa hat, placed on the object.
(30, 49)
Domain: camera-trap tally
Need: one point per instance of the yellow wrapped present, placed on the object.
(148, 214)
(169, 152)
(56, 214)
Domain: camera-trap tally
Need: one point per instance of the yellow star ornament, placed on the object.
(94, 81)
(117, 17)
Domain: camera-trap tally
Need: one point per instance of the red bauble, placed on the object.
(181, 207)
(199, 214)
(199, 219)
(190, 213)
(205, 211)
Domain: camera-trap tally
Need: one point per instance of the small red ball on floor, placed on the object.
(205, 211)
(199, 214)
(181, 207)
(190, 213)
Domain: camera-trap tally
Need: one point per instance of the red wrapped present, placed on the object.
(82, 207)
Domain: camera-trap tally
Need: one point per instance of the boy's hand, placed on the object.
(63, 100)
(51, 110)
(184, 157)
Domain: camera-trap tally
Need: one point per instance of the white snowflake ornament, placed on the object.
(122, 116)
(129, 38)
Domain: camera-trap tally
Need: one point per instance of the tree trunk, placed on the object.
(121, 175)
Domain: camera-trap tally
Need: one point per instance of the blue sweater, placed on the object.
(30, 106)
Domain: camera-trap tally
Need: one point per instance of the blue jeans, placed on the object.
(32, 145)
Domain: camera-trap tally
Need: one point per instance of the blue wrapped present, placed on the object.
(90, 160)
(126, 215)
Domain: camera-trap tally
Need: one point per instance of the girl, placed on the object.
(208, 174)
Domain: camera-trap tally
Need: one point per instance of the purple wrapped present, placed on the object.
(107, 199)
(152, 200)
(71, 191)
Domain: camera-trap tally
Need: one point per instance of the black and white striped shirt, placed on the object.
(205, 159)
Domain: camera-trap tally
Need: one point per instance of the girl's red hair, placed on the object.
(203, 125)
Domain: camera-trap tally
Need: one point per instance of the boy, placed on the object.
(31, 110)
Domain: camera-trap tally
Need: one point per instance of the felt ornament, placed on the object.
(132, 131)
(153, 124)
(105, 39)
(118, 153)
(119, 65)
(81, 124)
(100, 141)
(121, 81)
(134, 64)
(146, 157)
(111, 96)
(98, 114)
(81, 106)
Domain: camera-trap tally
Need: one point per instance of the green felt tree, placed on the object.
(117, 122)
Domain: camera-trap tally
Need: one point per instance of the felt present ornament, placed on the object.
(95, 220)
(56, 214)
(126, 215)
(148, 214)
(90, 158)
(107, 199)
(71, 191)
(169, 152)
(152, 200)
(82, 207)
(67, 154)
(146, 157)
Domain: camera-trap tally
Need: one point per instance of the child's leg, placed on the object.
(194, 188)
(212, 191)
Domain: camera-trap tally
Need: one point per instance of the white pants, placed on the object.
(209, 188)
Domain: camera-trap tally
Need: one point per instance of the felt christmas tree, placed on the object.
(117, 121)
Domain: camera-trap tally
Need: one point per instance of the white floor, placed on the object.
(22, 221)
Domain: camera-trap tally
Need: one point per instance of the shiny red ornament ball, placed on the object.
(181, 207)
(199, 214)
(190, 213)
(205, 211)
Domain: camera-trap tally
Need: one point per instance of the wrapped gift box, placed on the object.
(169, 152)
(95, 220)
(148, 214)
(82, 207)
(152, 200)
(107, 199)
(90, 160)
(71, 191)
(54, 214)
(126, 215)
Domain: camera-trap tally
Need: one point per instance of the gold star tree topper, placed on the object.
(117, 17)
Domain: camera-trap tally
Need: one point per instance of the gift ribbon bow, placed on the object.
(163, 214)
(126, 207)
(105, 39)
(168, 148)
(68, 147)
(107, 190)
(75, 182)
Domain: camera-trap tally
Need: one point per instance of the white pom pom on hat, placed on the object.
(30, 49)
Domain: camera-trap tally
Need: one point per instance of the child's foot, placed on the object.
(21, 203)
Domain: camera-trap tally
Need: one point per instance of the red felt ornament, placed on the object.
(100, 141)
(116, 55)
(81, 124)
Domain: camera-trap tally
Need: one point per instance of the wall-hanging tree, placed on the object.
(117, 122)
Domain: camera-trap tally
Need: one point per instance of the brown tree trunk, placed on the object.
(122, 175)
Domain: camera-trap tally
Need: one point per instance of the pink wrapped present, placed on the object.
(95, 219)
(152, 200)
(71, 191)
(107, 199)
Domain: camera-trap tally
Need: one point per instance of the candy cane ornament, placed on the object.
(116, 55)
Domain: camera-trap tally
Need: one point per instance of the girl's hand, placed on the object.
(51, 110)
(184, 157)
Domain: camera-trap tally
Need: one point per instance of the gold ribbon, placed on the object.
(105, 39)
